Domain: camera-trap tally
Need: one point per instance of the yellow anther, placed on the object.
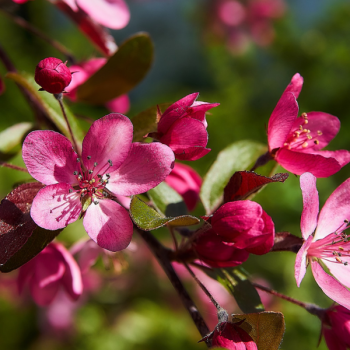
(319, 132)
(309, 137)
(338, 259)
(304, 115)
(316, 142)
(305, 144)
(341, 248)
(301, 127)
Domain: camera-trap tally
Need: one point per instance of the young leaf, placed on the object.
(11, 139)
(167, 201)
(245, 183)
(147, 219)
(49, 105)
(235, 280)
(125, 69)
(266, 328)
(20, 238)
(238, 156)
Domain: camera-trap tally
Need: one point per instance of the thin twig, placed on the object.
(14, 167)
(174, 238)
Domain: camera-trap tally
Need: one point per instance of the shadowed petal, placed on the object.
(146, 166)
(49, 157)
(301, 261)
(309, 215)
(109, 225)
(335, 211)
(299, 163)
(44, 296)
(339, 270)
(330, 286)
(108, 138)
(191, 153)
(54, 207)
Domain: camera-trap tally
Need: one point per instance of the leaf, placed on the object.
(245, 183)
(167, 201)
(266, 328)
(147, 219)
(20, 238)
(49, 105)
(236, 281)
(146, 121)
(122, 72)
(12, 138)
(238, 156)
(285, 241)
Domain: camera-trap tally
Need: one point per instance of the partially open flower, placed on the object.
(52, 75)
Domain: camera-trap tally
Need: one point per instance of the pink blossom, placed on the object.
(184, 180)
(336, 328)
(82, 71)
(296, 142)
(329, 244)
(183, 128)
(52, 75)
(110, 164)
(53, 268)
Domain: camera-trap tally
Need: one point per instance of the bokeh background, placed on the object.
(133, 305)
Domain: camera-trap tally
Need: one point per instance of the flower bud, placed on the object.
(52, 75)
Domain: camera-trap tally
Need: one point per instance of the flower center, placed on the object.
(301, 138)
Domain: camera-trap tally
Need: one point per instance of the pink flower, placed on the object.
(82, 72)
(296, 142)
(51, 269)
(86, 186)
(245, 224)
(329, 243)
(336, 328)
(184, 180)
(183, 128)
(52, 75)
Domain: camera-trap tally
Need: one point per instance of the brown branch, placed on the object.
(14, 167)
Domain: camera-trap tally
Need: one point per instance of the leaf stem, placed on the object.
(262, 160)
(14, 167)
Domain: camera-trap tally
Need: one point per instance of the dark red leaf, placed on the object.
(285, 241)
(244, 183)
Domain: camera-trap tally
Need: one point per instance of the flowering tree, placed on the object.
(122, 176)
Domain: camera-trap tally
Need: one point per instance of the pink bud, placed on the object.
(52, 75)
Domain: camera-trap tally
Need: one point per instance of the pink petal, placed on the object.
(72, 281)
(120, 104)
(25, 274)
(295, 85)
(309, 215)
(44, 296)
(282, 120)
(332, 340)
(108, 138)
(72, 4)
(88, 254)
(301, 261)
(146, 166)
(113, 14)
(54, 207)
(175, 111)
(198, 110)
(109, 225)
(299, 163)
(335, 211)
(341, 156)
(339, 270)
(49, 157)
(191, 153)
(330, 286)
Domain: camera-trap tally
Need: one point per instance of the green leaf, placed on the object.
(236, 281)
(122, 72)
(266, 328)
(12, 138)
(147, 219)
(50, 106)
(167, 201)
(238, 156)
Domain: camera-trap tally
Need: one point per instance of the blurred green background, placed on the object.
(138, 309)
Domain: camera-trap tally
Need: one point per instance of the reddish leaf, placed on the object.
(20, 238)
(244, 183)
(285, 241)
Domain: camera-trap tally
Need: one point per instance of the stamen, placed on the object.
(90, 171)
(304, 115)
(78, 160)
(316, 142)
(88, 157)
(95, 164)
(110, 162)
(319, 132)
(70, 190)
(339, 260)
(305, 144)
(108, 176)
(75, 173)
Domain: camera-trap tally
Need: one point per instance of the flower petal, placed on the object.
(175, 111)
(146, 166)
(109, 225)
(335, 211)
(49, 157)
(299, 163)
(309, 215)
(54, 207)
(330, 286)
(341, 156)
(108, 138)
(112, 14)
(44, 296)
(120, 104)
(295, 85)
(198, 110)
(339, 270)
(301, 261)
(282, 120)
(191, 153)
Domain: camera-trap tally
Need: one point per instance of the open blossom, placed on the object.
(52, 269)
(183, 128)
(82, 72)
(296, 142)
(87, 185)
(329, 244)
